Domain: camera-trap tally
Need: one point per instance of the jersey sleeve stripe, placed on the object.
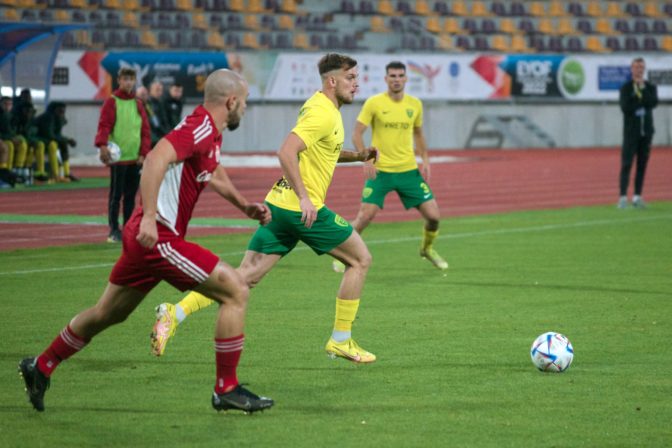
(202, 134)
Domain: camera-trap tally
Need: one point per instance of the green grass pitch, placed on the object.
(453, 363)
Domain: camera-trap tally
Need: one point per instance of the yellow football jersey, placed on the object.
(320, 126)
(392, 124)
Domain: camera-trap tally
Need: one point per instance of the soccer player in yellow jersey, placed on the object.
(395, 119)
(308, 157)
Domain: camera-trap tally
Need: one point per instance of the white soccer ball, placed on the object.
(552, 352)
(115, 152)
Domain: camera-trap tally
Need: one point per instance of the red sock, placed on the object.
(66, 344)
(227, 355)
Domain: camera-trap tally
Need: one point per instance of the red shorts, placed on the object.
(181, 263)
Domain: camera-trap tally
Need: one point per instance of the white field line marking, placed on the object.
(389, 241)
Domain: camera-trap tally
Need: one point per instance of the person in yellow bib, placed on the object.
(308, 158)
(395, 119)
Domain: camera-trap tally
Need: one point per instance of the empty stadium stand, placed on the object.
(379, 26)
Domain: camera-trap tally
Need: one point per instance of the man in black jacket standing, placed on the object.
(637, 98)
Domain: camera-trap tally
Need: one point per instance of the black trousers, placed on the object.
(640, 148)
(124, 182)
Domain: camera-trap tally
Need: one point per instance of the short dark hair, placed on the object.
(5, 98)
(126, 71)
(176, 84)
(395, 64)
(335, 61)
(639, 59)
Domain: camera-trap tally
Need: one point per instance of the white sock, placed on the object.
(340, 336)
(636, 198)
(179, 314)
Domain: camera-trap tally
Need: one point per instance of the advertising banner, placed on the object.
(90, 75)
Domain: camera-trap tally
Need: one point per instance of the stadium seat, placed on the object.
(78, 16)
(233, 41)
(594, 44)
(385, 8)
(622, 26)
(148, 39)
(594, 8)
(198, 40)
(251, 22)
(545, 26)
(216, 23)
(463, 43)
(537, 9)
(433, 25)
(488, 26)
(641, 27)
(333, 41)
(184, 5)
(470, 26)
(113, 4)
(575, 9)
(112, 19)
(146, 21)
(282, 41)
(234, 22)
(404, 8)
(164, 20)
(481, 43)
(614, 10)
(62, 16)
(198, 21)
(96, 18)
(422, 8)
(538, 44)
(289, 7)
(603, 26)
(199, 6)
(613, 43)
(566, 27)
(236, 5)
(316, 41)
(217, 6)
(574, 45)
(500, 43)
(459, 8)
(650, 44)
(257, 7)
(301, 42)
(659, 27)
(441, 8)
(584, 26)
(377, 25)
(507, 26)
(452, 26)
(427, 43)
(666, 43)
(498, 9)
(165, 39)
(397, 24)
(250, 41)
(526, 26)
(285, 22)
(347, 7)
(631, 44)
(652, 9)
(555, 44)
(12, 3)
(517, 9)
(557, 9)
(478, 9)
(268, 22)
(519, 45)
(445, 42)
(633, 9)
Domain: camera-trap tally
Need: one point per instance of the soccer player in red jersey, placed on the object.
(175, 172)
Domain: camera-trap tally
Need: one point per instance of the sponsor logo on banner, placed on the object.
(660, 77)
(572, 77)
(612, 77)
(533, 75)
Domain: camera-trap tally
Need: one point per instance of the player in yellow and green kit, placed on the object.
(308, 158)
(395, 119)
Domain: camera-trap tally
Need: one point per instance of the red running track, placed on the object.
(470, 183)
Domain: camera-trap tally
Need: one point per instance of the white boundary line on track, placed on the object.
(389, 241)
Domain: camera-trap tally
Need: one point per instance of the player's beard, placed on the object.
(233, 121)
(343, 99)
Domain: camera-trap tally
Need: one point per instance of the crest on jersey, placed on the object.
(409, 112)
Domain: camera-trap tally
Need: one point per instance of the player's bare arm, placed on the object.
(421, 150)
(364, 155)
(221, 183)
(358, 142)
(153, 172)
(289, 161)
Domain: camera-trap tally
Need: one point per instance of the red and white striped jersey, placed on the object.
(197, 144)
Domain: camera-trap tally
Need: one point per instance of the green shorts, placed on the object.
(285, 230)
(409, 185)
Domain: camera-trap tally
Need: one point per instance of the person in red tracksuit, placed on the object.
(123, 120)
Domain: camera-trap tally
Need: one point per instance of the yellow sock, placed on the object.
(66, 168)
(20, 156)
(346, 311)
(53, 159)
(193, 302)
(10, 153)
(428, 238)
(39, 158)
